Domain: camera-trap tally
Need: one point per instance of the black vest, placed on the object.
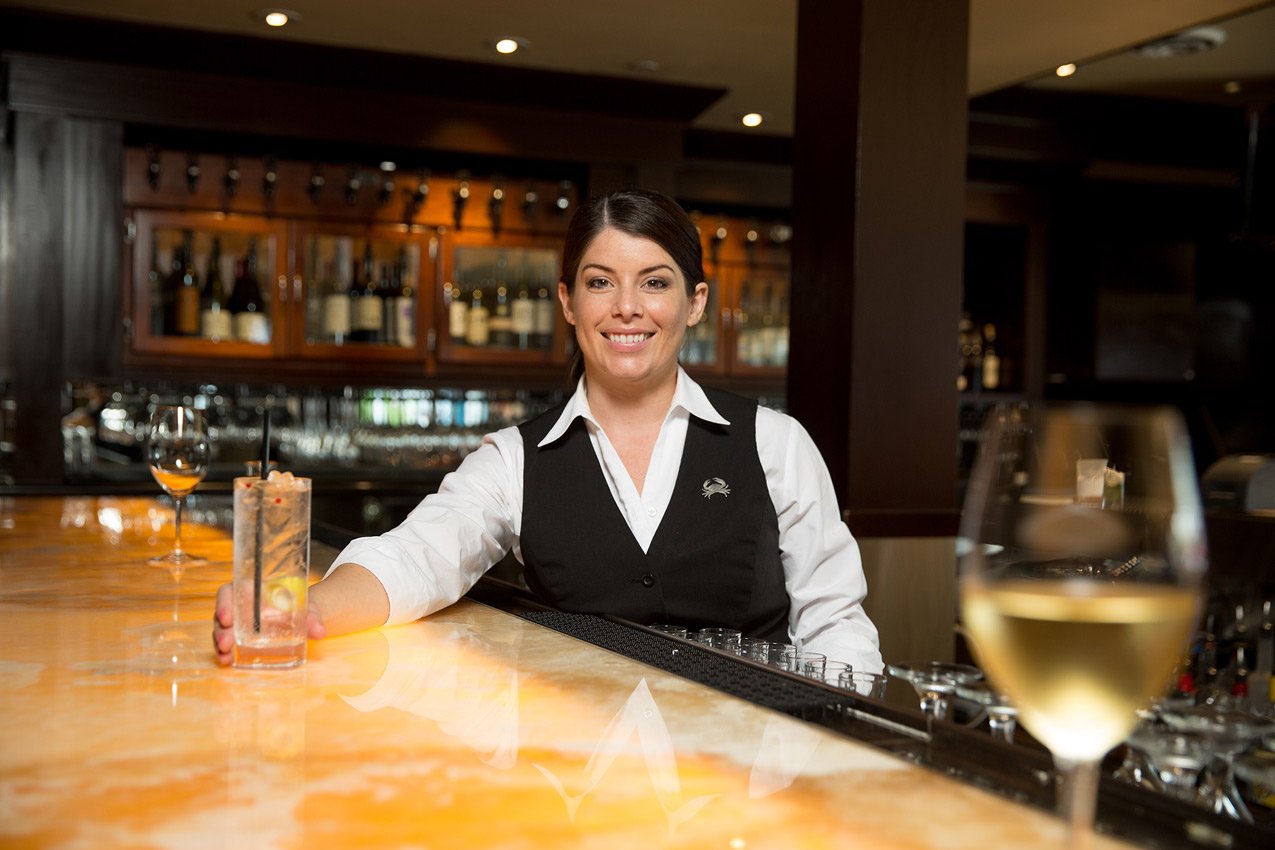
(714, 561)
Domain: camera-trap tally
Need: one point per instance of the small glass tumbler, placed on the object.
(727, 640)
(669, 629)
(758, 649)
(271, 572)
(864, 684)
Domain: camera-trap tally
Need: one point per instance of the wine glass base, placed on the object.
(178, 559)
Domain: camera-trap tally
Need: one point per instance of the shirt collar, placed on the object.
(688, 396)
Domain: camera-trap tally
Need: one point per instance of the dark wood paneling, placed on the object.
(92, 237)
(878, 198)
(278, 60)
(196, 100)
(38, 270)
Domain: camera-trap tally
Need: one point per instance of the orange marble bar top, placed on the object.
(469, 729)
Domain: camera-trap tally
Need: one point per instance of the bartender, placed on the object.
(644, 495)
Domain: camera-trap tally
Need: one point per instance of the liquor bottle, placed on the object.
(767, 334)
(365, 308)
(542, 324)
(315, 289)
(991, 362)
(246, 303)
(387, 292)
(405, 309)
(965, 348)
(501, 324)
(157, 286)
(477, 329)
(523, 317)
(215, 321)
(187, 312)
(457, 312)
(336, 306)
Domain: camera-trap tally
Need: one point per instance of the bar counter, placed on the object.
(469, 728)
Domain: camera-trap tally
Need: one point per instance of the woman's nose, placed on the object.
(626, 303)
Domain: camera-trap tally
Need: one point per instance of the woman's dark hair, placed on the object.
(640, 213)
(648, 215)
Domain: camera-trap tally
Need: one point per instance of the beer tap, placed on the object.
(715, 243)
(387, 183)
(496, 205)
(530, 205)
(751, 235)
(270, 180)
(352, 184)
(192, 174)
(563, 201)
(460, 197)
(231, 181)
(416, 197)
(317, 182)
(152, 166)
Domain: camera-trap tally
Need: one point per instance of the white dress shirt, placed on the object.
(455, 535)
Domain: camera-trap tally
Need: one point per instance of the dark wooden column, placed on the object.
(65, 291)
(878, 198)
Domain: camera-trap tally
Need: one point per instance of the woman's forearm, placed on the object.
(349, 599)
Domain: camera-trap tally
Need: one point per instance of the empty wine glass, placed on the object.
(934, 683)
(1079, 602)
(1002, 717)
(177, 451)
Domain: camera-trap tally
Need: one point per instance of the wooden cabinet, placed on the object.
(744, 333)
(352, 283)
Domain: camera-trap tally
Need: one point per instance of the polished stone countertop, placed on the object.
(470, 728)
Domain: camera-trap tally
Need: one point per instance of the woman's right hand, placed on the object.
(224, 624)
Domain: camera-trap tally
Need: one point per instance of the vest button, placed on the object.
(648, 580)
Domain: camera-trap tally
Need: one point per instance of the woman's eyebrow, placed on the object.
(645, 271)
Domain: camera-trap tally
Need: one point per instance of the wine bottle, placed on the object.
(524, 317)
(477, 329)
(991, 361)
(246, 303)
(501, 324)
(767, 333)
(215, 322)
(187, 313)
(365, 310)
(457, 312)
(542, 318)
(336, 306)
(405, 305)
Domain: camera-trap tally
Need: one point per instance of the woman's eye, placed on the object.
(598, 283)
(657, 283)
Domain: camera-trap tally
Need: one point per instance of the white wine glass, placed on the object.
(1080, 595)
(177, 451)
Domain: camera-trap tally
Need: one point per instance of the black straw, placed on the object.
(261, 510)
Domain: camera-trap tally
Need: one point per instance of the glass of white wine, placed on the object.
(177, 451)
(1078, 608)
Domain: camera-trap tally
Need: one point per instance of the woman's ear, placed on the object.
(564, 297)
(699, 303)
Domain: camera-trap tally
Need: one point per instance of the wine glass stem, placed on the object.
(1078, 793)
(177, 525)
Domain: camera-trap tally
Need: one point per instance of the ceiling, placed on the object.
(747, 46)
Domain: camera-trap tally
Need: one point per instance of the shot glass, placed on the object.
(1090, 480)
(864, 684)
(272, 564)
(726, 640)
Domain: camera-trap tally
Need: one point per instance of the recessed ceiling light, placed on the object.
(1233, 87)
(1065, 70)
(645, 66)
(511, 44)
(752, 119)
(278, 17)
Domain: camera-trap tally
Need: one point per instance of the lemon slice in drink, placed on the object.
(286, 594)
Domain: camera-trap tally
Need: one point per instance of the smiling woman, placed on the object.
(643, 496)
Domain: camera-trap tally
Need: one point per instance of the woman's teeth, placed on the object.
(627, 339)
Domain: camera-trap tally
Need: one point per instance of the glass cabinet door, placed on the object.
(208, 285)
(363, 290)
(760, 319)
(499, 302)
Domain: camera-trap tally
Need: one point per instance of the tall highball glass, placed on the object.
(1080, 599)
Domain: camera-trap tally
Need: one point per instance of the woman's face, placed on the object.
(630, 309)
